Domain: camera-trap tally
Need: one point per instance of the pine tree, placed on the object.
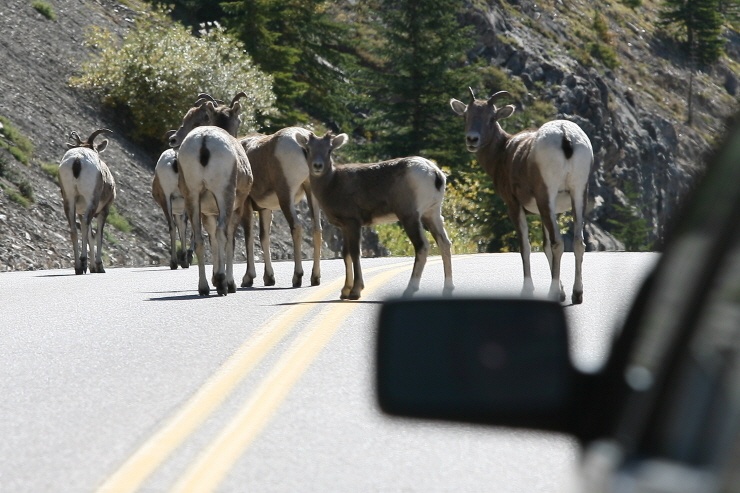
(699, 24)
(295, 41)
(421, 62)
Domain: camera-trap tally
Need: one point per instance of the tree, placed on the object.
(699, 25)
(420, 62)
(155, 75)
(295, 41)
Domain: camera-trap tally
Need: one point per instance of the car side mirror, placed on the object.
(496, 361)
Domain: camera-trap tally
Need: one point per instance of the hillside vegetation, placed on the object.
(383, 72)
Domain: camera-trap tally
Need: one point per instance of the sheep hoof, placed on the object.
(219, 281)
(269, 280)
(204, 291)
(247, 282)
(577, 298)
(79, 271)
(98, 268)
(354, 296)
(315, 280)
(232, 286)
(297, 280)
(173, 265)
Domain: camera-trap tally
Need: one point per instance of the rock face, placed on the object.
(38, 57)
(646, 156)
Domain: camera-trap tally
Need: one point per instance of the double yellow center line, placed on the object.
(219, 457)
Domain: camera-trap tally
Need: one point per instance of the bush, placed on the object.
(26, 189)
(51, 169)
(15, 142)
(118, 221)
(157, 72)
(45, 9)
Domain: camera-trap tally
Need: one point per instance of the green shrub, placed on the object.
(156, 74)
(17, 198)
(15, 142)
(118, 221)
(45, 9)
(26, 189)
(51, 169)
(605, 54)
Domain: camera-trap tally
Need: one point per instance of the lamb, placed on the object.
(88, 191)
(166, 193)
(409, 189)
(215, 179)
(280, 182)
(544, 171)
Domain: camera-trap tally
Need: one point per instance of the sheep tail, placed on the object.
(567, 145)
(205, 154)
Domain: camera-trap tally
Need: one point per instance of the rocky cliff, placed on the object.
(646, 154)
(633, 105)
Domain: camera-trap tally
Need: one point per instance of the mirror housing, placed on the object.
(502, 362)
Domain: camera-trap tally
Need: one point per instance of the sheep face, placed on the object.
(207, 113)
(318, 151)
(481, 120)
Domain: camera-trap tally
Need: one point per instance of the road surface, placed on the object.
(129, 381)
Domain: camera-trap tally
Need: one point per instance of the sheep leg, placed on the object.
(435, 224)
(579, 246)
(230, 240)
(215, 231)
(296, 232)
(195, 220)
(519, 218)
(223, 243)
(352, 239)
(102, 217)
(86, 232)
(247, 222)
(348, 272)
(265, 225)
(174, 253)
(553, 236)
(412, 226)
(69, 210)
(313, 206)
(181, 258)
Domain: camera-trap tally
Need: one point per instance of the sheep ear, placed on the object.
(236, 107)
(505, 112)
(301, 139)
(101, 147)
(339, 141)
(458, 106)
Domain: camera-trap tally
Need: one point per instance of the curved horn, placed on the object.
(496, 96)
(203, 97)
(99, 131)
(472, 94)
(74, 135)
(240, 95)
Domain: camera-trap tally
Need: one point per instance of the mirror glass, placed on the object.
(484, 360)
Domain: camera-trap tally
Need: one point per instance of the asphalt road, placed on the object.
(129, 381)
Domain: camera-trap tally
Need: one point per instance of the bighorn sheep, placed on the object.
(88, 191)
(166, 192)
(409, 190)
(215, 178)
(280, 182)
(544, 172)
